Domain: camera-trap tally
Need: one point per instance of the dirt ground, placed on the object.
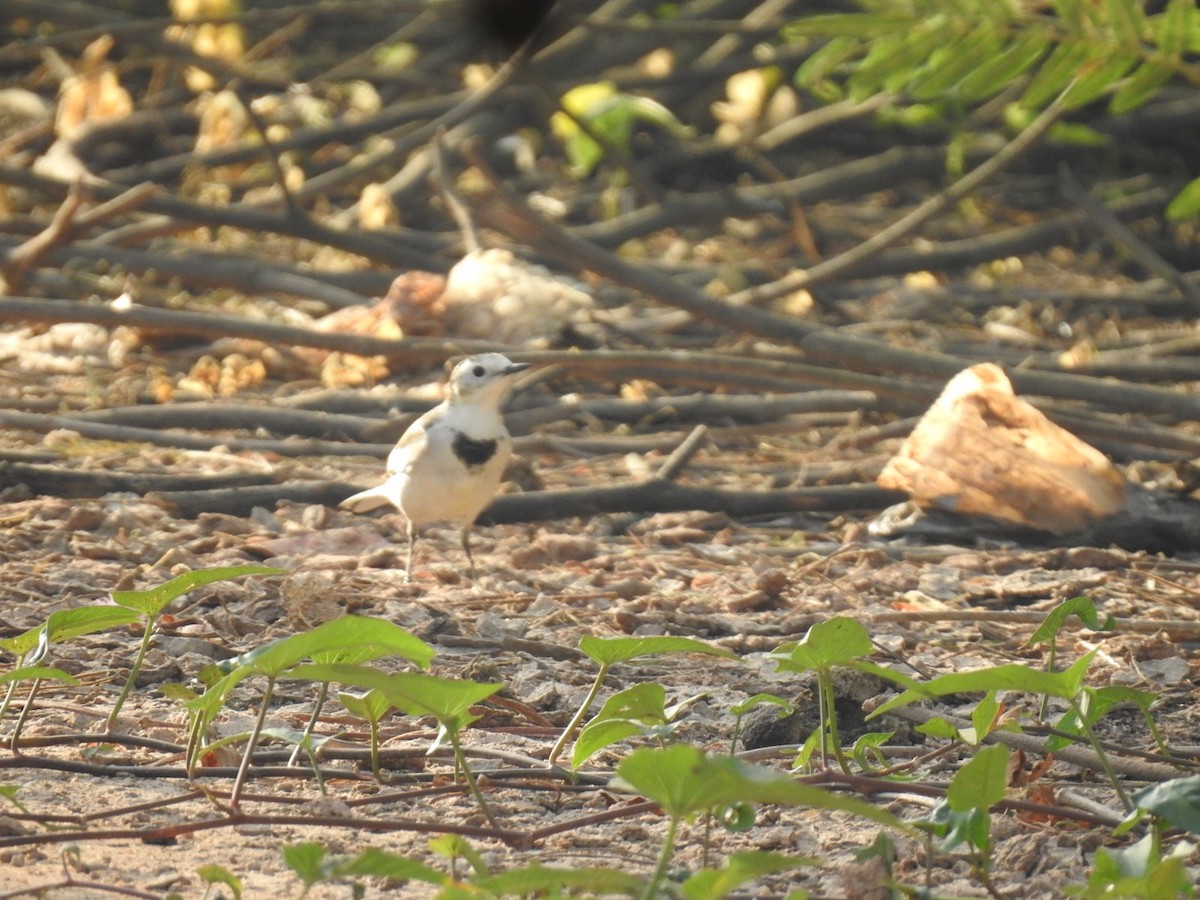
(747, 586)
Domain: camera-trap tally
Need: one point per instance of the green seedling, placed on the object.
(1139, 872)
(371, 707)
(353, 654)
(963, 817)
(282, 658)
(592, 111)
(546, 881)
(150, 603)
(866, 751)
(1047, 633)
(1066, 685)
(840, 641)
(739, 710)
(607, 652)
(447, 700)
(307, 860)
(455, 847)
(685, 783)
(640, 709)
(1176, 801)
(740, 868)
(984, 719)
(212, 874)
(33, 646)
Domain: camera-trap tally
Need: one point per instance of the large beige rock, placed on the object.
(982, 451)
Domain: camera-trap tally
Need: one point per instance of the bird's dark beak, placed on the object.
(514, 368)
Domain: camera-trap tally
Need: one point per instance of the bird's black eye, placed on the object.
(479, 371)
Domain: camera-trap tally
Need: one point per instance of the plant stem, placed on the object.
(1098, 749)
(33, 689)
(311, 727)
(236, 794)
(664, 860)
(472, 786)
(374, 723)
(825, 687)
(111, 724)
(573, 725)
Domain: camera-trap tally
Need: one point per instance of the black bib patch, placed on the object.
(472, 452)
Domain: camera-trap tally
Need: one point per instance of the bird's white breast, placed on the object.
(431, 483)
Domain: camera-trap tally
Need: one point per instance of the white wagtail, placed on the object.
(447, 466)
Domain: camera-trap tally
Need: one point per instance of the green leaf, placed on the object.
(1176, 28)
(1065, 684)
(446, 699)
(814, 73)
(536, 880)
(152, 601)
(890, 61)
(1095, 702)
(836, 641)
(1140, 87)
(72, 623)
(1082, 608)
(1059, 69)
(983, 717)
(713, 884)
(939, 728)
(982, 781)
(1127, 21)
(950, 66)
(376, 863)
(846, 25)
(624, 714)
(455, 846)
(1176, 801)
(684, 782)
(21, 644)
(1141, 871)
(598, 735)
(211, 873)
(866, 747)
(1096, 78)
(1186, 203)
(1077, 134)
(607, 651)
(26, 673)
(347, 635)
(997, 72)
(306, 860)
(371, 706)
(785, 708)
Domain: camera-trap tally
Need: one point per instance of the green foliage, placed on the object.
(608, 114)
(961, 54)
(1176, 801)
(739, 868)
(684, 781)
(739, 711)
(840, 641)
(211, 874)
(640, 709)
(962, 818)
(609, 651)
(150, 604)
(1011, 677)
(1139, 872)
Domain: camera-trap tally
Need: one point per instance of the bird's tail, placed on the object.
(365, 501)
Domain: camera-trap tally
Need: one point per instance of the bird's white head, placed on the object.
(482, 378)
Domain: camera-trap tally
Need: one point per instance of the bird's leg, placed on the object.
(412, 539)
(466, 545)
